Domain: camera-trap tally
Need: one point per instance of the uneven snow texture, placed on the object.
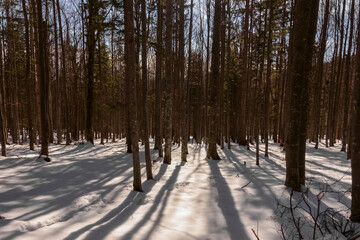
(85, 192)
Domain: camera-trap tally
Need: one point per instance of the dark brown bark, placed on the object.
(355, 141)
(207, 80)
(300, 68)
(130, 75)
(158, 80)
(2, 134)
(91, 43)
(184, 81)
(214, 83)
(244, 79)
(222, 75)
(64, 76)
(319, 73)
(44, 82)
(268, 78)
(347, 81)
(168, 82)
(149, 174)
(57, 79)
(27, 77)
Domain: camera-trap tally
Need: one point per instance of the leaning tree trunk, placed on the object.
(213, 83)
(300, 68)
(130, 76)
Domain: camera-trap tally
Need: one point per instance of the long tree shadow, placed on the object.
(82, 179)
(227, 204)
(118, 215)
(164, 194)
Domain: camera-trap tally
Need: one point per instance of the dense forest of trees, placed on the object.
(219, 71)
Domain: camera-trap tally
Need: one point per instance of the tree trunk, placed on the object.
(300, 68)
(168, 82)
(27, 78)
(347, 81)
(44, 82)
(222, 76)
(144, 91)
(130, 76)
(244, 79)
(91, 42)
(355, 148)
(319, 73)
(184, 81)
(213, 83)
(64, 77)
(2, 128)
(158, 80)
(268, 78)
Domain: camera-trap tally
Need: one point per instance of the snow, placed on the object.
(85, 192)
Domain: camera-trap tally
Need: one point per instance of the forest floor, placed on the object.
(85, 192)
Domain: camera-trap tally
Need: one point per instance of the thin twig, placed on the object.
(257, 237)
(245, 185)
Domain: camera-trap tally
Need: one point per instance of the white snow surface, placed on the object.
(85, 192)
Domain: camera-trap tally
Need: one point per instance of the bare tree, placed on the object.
(44, 82)
(130, 75)
(213, 83)
(304, 31)
(355, 148)
(144, 90)
(168, 82)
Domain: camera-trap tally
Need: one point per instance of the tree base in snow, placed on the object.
(45, 158)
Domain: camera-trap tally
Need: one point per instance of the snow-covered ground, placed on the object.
(85, 192)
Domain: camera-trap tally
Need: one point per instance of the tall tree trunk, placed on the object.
(268, 78)
(347, 78)
(57, 79)
(158, 80)
(28, 77)
(183, 80)
(168, 82)
(222, 75)
(213, 83)
(244, 80)
(2, 128)
(44, 82)
(355, 148)
(144, 91)
(227, 77)
(207, 80)
(319, 73)
(130, 76)
(304, 31)
(91, 42)
(64, 77)
(339, 76)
